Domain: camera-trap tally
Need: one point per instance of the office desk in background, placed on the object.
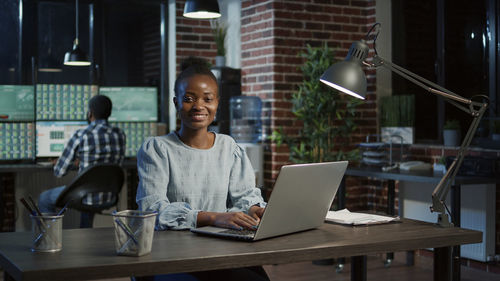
(9, 173)
(420, 177)
(90, 253)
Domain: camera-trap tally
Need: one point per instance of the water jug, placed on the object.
(245, 119)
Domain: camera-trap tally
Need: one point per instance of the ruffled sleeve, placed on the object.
(153, 170)
(242, 191)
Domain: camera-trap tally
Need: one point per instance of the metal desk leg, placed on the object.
(358, 268)
(410, 258)
(455, 213)
(391, 193)
(442, 264)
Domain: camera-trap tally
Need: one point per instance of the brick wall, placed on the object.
(273, 33)
(194, 37)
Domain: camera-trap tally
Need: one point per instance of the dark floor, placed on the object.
(398, 270)
(422, 270)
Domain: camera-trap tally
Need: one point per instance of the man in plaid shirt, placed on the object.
(98, 143)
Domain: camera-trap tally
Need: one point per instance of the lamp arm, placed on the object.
(474, 108)
(418, 80)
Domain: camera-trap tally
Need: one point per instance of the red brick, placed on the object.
(350, 28)
(360, 20)
(314, 26)
(341, 2)
(288, 23)
(351, 11)
(341, 19)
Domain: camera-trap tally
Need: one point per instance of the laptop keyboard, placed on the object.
(243, 232)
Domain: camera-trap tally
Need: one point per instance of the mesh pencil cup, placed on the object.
(134, 232)
(47, 232)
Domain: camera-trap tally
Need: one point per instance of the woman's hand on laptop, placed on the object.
(256, 212)
(236, 220)
(232, 220)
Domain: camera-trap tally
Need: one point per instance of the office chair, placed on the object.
(105, 178)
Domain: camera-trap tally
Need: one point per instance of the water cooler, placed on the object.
(246, 128)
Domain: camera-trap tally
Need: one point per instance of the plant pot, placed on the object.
(451, 137)
(220, 61)
(439, 168)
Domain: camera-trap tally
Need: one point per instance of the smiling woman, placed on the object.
(194, 177)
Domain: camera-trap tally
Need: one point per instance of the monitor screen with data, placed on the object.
(17, 103)
(52, 136)
(131, 104)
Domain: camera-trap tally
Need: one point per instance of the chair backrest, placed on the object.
(97, 178)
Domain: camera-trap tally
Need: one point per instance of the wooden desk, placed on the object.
(90, 254)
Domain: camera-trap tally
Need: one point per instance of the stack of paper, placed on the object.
(344, 216)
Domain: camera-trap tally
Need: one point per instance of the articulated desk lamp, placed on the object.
(348, 77)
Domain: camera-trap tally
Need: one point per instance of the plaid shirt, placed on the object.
(98, 143)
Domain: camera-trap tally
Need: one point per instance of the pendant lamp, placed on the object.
(77, 56)
(201, 9)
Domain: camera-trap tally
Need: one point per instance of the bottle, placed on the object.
(245, 119)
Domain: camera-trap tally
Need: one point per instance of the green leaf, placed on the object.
(327, 116)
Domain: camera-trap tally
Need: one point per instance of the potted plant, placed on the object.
(440, 165)
(326, 115)
(451, 133)
(397, 117)
(219, 31)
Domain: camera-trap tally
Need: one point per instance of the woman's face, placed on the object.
(197, 102)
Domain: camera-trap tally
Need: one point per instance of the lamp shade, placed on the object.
(201, 9)
(76, 57)
(348, 76)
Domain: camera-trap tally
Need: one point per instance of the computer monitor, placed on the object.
(136, 133)
(17, 103)
(136, 104)
(64, 102)
(16, 140)
(52, 136)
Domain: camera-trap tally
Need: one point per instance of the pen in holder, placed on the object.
(47, 232)
(47, 228)
(134, 232)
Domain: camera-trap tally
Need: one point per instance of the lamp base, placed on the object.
(444, 220)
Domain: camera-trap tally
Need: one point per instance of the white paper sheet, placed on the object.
(344, 216)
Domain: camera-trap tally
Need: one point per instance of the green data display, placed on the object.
(132, 103)
(17, 103)
(63, 101)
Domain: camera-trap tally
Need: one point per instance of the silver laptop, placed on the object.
(300, 200)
